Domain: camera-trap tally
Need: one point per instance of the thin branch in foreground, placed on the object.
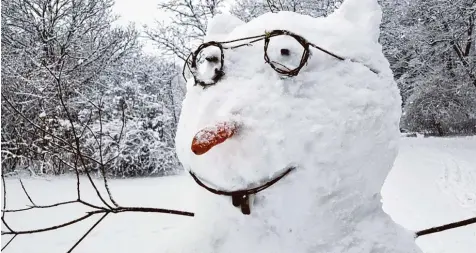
(102, 166)
(105, 210)
(81, 163)
(100, 210)
(34, 231)
(3, 213)
(4, 193)
(26, 193)
(446, 227)
(39, 207)
(9, 241)
(87, 232)
(73, 128)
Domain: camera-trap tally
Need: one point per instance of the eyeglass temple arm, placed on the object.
(342, 58)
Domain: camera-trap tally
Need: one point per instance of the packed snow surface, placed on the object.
(431, 183)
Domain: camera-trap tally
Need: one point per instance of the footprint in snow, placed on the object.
(459, 180)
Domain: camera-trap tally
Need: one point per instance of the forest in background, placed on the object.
(79, 93)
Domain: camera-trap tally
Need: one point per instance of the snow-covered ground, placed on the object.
(433, 182)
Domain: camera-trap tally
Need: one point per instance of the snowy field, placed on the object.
(433, 182)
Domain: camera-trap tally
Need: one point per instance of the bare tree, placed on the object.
(187, 27)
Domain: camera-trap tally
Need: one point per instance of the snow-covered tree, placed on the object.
(52, 47)
(397, 46)
(64, 67)
(441, 69)
(249, 9)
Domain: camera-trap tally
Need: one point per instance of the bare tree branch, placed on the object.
(446, 227)
(87, 232)
(26, 193)
(9, 241)
(188, 25)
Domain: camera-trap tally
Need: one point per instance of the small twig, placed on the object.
(39, 207)
(94, 136)
(4, 193)
(76, 171)
(31, 122)
(446, 227)
(86, 234)
(91, 205)
(34, 231)
(85, 125)
(6, 225)
(102, 166)
(62, 161)
(9, 241)
(106, 185)
(102, 210)
(112, 159)
(123, 122)
(151, 210)
(5, 202)
(26, 193)
(73, 129)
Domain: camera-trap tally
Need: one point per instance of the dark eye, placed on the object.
(285, 51)
(212, 59)
(286, 54)
(206, 63)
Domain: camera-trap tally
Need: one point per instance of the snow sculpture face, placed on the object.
(335, 119)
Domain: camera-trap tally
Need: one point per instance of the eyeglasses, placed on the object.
(191, 61)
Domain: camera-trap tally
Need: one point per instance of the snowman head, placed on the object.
(284, 90)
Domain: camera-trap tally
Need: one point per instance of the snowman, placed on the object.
(288, 130)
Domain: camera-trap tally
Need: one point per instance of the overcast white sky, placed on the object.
(139, 11)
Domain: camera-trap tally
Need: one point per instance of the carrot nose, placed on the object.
(211, 136)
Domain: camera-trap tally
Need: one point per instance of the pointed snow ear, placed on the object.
(221, 25)
(365, 14)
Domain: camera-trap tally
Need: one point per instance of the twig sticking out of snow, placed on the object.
(441, 228)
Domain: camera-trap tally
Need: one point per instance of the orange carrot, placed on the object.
(209, 137)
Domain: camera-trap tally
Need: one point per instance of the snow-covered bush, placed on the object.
(141, 152)
(441, 111)
(431, 47)
(133, 123)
